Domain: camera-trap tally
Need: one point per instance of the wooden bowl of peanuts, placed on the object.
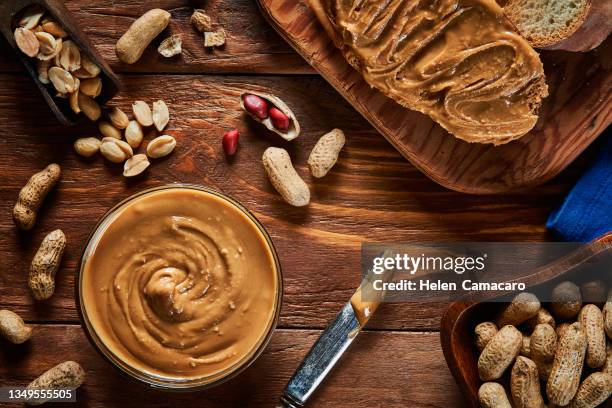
(551, 345)
(70, 73)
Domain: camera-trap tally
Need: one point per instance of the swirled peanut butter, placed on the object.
(458, 61)
(179, 283)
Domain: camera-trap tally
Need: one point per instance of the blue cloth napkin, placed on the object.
(586, 213)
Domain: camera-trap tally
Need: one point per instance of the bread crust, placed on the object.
(593, 30)
(586, 32)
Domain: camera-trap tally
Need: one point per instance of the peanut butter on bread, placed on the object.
(458, 61)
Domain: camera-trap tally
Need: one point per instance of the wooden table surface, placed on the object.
(372, 194)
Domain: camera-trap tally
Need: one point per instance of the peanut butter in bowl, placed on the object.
(180, 287)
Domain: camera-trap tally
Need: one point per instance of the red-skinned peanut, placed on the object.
(279, 119)
(256, 105)
(230, 142)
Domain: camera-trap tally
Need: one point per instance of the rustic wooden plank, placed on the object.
(381, 369)
(252, 45)
(577, 110)
(372, 194)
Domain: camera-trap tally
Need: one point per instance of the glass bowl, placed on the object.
(151, 379)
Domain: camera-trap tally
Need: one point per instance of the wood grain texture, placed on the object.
(577, 110)
(372, 194)
(252, 45)
(384, 369)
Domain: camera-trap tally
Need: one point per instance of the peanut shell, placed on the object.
(171, 46)
(13, 328)
(45, 264)
(594, 390)
(566, 300)
(67, 375)
(607, 311)
(542, 317)
(543, 345)
(592, 321)
(294, 126)
(525, 384)
(284, 178)
(493, 395)
(484, 333)
(522, 308)
(499, 354)
(568, 364)
(325, 153)
(214, 38)
(201, 21)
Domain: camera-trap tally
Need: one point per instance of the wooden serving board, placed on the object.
(578, 109)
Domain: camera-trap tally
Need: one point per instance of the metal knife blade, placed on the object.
(328, 349)
(321, 358)
(334, 341)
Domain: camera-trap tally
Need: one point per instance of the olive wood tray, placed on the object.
(10, 9)
(461, 318)
(578, 109)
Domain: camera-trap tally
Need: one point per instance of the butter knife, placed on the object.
(328, 349)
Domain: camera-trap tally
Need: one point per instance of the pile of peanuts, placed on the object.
(59, 61)
(118, 127)
(557, 356)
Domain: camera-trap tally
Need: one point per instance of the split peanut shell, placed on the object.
(294, 127)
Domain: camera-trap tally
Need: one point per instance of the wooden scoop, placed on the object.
(459, 321)
(10, 10)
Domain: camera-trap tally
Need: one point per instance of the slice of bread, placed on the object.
(573, 25)
(458, 61)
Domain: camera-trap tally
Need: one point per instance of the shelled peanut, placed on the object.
(122, 136)
(60, 62)
(566, 360)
